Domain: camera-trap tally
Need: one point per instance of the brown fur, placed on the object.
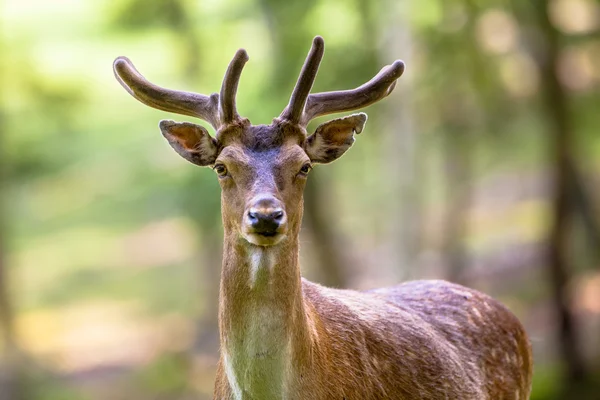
(420, 340)
(286, 337)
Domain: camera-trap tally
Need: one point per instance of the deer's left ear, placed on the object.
(190, 141)
(333, 138)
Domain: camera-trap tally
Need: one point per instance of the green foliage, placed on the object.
(143, 15)
(39, 384)
(89, 174)
(546, 383)
(166, 376)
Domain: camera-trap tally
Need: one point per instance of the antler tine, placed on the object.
(227, 108)
(376, 89)
(179, 102)
(295, 108)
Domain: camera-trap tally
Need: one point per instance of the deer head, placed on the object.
(262, 169)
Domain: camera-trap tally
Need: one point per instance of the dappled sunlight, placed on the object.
(497, 31)
(587, 294)
(575, 16)
(50, 257)
(525, 221)
(519, 74)
(577, 69)
(94, 335)
(83, 261)
(160, 243)
(156, 244)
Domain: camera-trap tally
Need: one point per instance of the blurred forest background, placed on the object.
(483, 167)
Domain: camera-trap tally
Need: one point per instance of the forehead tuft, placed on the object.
(235, 152)
(291, 153)
(278, 141)
(288, 152)
(267, 137)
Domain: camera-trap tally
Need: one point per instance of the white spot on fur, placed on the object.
(256, 257)
(514, 342)
(462, 293)
(233, 383)
(260, 259)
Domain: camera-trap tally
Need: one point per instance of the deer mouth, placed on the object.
(264, 238)
(267, 234)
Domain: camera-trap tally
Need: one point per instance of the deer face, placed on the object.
(262, 169)
(262, 187)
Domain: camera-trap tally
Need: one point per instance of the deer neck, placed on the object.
(262, 317)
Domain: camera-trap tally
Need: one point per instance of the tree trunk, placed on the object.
(319, 222)
(465, 115)
(401, 147)
(561, 136)
(458, 171)
(584, 208)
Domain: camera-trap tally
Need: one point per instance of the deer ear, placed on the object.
(190, 141)
(333, 138)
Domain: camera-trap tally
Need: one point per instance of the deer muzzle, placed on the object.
(265, 221)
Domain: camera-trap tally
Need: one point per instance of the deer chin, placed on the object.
(258, 239)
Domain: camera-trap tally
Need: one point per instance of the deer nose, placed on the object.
(266, 216)
(266, 222)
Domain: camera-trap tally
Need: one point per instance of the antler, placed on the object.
(179, 102)
(376, 89)
(304, 107)
(293, 111)
(227, 109)
(216, 110)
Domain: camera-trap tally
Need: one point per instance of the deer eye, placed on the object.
(305, 169)
(221, 170)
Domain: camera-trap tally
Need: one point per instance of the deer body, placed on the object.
(283, 337)
(363, 346)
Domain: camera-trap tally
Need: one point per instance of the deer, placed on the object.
(284, 337)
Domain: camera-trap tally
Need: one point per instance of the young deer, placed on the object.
(283, 337)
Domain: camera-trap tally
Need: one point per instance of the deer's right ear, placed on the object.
(190, 141)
